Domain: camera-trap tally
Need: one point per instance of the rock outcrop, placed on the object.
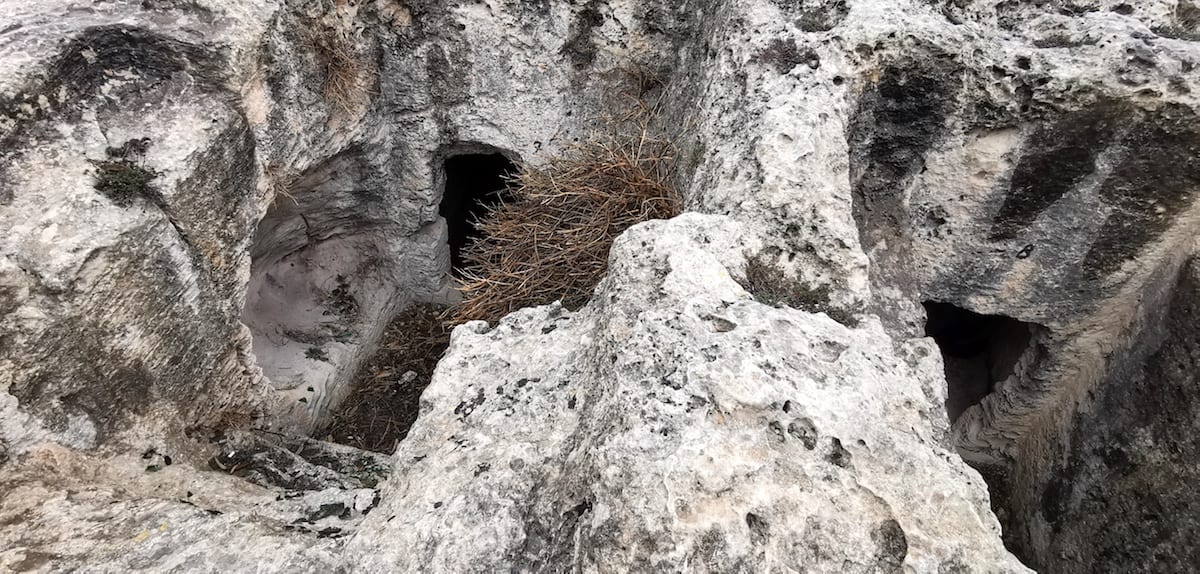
(676, 422)
(265, 506)
(212, 208)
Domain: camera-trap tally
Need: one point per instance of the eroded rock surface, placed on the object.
(265, 505)
(1027, 168)
(678, 423)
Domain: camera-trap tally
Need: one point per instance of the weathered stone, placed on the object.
(787, 441)
(277, 168)
(64, 511)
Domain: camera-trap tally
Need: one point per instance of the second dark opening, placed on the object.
(978, 351)
(474, 183)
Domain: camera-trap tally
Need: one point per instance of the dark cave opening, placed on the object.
(475, 182)
(978, 351)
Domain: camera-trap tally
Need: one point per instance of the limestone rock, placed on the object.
(1016, 177)
(677, 423)
(64, 511)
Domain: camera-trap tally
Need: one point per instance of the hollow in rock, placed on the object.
(475, 182)
(979, 351)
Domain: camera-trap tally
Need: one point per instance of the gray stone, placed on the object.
(1026, 169)
(673, 423)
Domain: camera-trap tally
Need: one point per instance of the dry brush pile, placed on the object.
(386, 392)
(551, 241)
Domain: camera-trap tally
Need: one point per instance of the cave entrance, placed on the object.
(475, 182)
(978, 351)
(329, 266)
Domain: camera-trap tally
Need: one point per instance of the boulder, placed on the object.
(678, 423)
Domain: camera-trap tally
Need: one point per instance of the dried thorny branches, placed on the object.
(348, 78)
(386, 393)
(552, 240)
(349, 72)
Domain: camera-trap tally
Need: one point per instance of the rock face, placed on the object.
(283, 510)
(1133, 460)
(1044, 180)
(98, 297)
(678, 423)
(1015, 179)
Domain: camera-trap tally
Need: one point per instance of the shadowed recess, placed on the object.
(978, 350)
(474, 183)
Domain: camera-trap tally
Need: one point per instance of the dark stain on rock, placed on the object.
(712, 553)
(465, 408)
(330, 532)
(1151, 184)
(760, 530)
(898, 119)
(449, 77)
(73, 80)
(1057, 157)
(580, 48)
(226, 173)
(1186, 24)
(720, 324)
(337, 509)
(154, 58)
(272, 467)
(891, 545)
(128, 389)
(838, 455)
(776, 431)
(375, 500)
(203, 13)
(784, 55)
(676, 21)
(1117, 459)
(105, 384)
(804, 430)
(82, 364)
(1127, 486)
(814, 15)
(550, 541)
(576, 512)
(1056, 499)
